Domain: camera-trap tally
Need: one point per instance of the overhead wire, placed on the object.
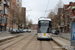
(46, 7)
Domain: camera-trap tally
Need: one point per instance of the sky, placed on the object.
(36, 8)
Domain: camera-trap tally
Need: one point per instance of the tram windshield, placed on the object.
(44, 27)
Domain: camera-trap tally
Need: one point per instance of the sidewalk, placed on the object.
(6, 34)
(65, 35)
(63, 40)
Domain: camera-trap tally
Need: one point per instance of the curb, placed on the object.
(8, 38)
(59, 45)
(63, 45)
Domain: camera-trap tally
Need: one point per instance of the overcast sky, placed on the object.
(38, 8)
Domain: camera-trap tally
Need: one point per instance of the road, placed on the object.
(29, 42)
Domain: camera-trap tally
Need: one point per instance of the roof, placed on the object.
(45, 19)
(65, 6)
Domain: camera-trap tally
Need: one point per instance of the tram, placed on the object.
(44, 28)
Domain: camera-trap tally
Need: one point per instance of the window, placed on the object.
(12, 0)
(20, 0)
(0, 18)
(17, 0)
(8, 3)
(6, 11)
(17, 4)
(20, 4)
(3, 20)
(2, 12)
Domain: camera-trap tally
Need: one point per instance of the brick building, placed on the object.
(8, 15)
(3, 14)
(68, 13)
(63, 19)
(19, 4)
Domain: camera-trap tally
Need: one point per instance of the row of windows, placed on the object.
(3, 20)
(2, 12)
(19, 0)
(19, 5)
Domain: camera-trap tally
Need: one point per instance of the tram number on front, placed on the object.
(44, 34)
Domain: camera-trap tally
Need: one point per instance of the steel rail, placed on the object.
(29, 42)
(16, 42)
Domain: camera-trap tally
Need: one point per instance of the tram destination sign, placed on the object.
(44, 21)
(73, 33)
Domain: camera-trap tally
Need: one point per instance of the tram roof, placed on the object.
(45, 19)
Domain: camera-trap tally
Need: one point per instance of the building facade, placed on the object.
(67, 14)
(63, 20)
(4, 4)
(8, 15)
(19, 4)
(23, 18)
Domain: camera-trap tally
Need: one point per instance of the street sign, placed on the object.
(73, 33)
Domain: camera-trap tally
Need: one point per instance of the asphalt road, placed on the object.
(29, 42)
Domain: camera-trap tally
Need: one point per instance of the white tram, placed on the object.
(44, 28)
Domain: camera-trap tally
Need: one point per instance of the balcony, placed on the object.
(6, 3)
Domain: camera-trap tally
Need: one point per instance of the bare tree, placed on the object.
(51, 15)
(26, 21)
(29, 24)
(59, 5)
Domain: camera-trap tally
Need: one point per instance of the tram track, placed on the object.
(16, 42)
(55, 46)
(51, 45)
(40, 45)
(8, 41)
(28, 42)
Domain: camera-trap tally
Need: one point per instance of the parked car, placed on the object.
(53, 31)
(24, 30)
(17, 31)
(14, 31)
(20, 30)
(29, 30)
(56, 32)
